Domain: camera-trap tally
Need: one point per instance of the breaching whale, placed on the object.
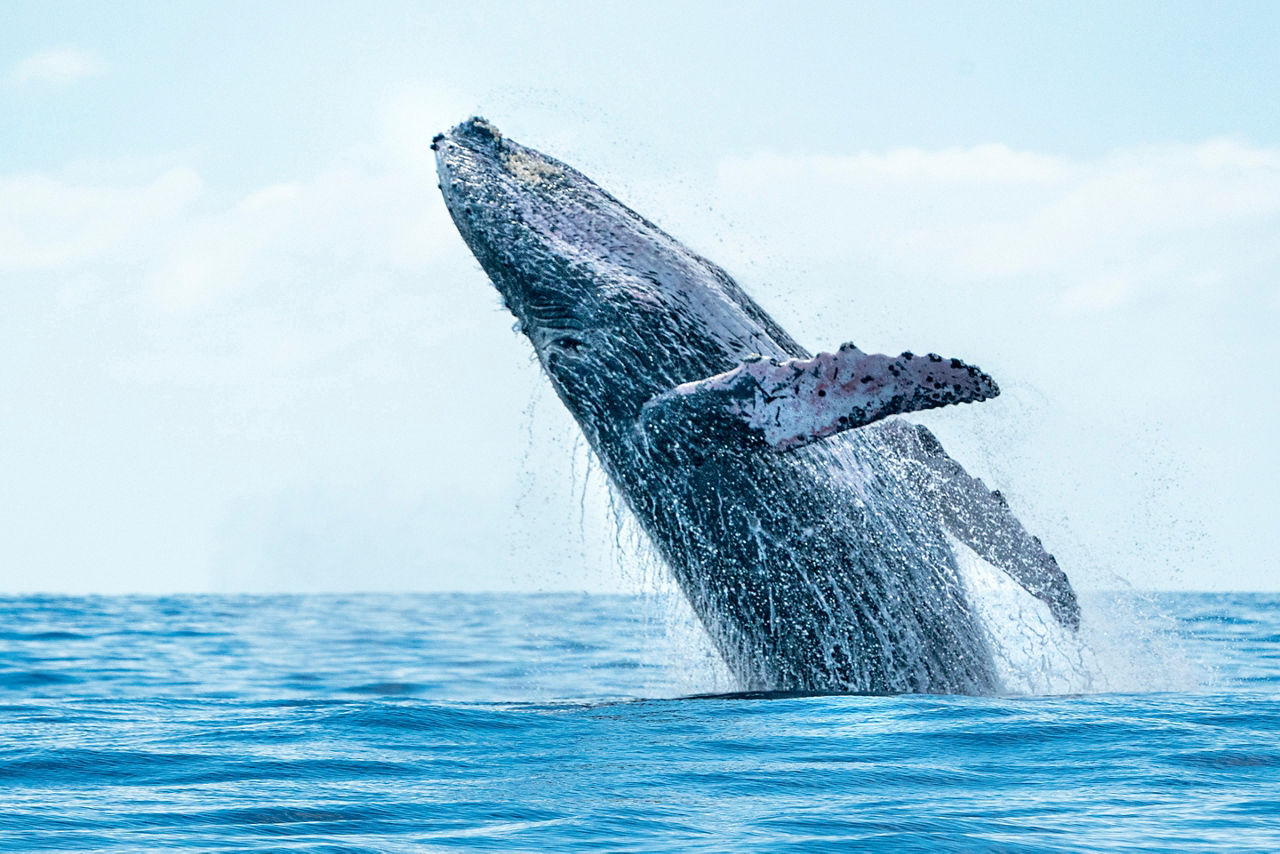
(814, 536)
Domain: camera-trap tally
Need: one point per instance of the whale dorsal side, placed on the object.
(790, 403)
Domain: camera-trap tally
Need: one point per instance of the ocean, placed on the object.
(557, 722)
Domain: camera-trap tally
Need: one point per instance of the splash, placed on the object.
(1139, 646)
(1033, 652)
(1124, 643)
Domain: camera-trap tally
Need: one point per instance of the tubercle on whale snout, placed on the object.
(474, 128)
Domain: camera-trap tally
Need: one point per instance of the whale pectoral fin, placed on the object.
(986, 525)
(981, 519)
(794, 402)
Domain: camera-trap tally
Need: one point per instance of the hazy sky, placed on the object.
(242, 348)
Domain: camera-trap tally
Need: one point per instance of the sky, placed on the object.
(243, 349)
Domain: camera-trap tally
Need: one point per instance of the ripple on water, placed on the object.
(401, 723)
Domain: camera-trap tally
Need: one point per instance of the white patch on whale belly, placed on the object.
(1034, 654)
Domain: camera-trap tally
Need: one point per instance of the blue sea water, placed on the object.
(567, 722)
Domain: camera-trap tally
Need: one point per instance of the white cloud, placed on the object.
(1099, 232)
(990, 163)
(374, 211)
(352, 219)
(203, 353)
(58, 66)
(51, 222)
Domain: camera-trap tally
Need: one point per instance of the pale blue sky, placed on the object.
(244, 350)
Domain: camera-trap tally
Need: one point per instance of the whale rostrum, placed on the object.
(813, 533)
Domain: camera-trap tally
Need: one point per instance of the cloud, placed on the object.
(1101, 233)
(353, 219)
(52, 222)
(59, 66)
(991, 163)
(374, 211)
(203, 354)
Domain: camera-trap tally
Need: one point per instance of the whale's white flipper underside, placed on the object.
(797, 401)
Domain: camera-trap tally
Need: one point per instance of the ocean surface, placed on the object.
(570, 722)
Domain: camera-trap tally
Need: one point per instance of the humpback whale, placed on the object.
(814, 534)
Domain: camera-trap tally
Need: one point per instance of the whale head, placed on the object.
(617, 310)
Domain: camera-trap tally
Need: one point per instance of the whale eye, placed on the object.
(569, 344)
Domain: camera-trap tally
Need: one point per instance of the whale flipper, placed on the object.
(981, 519)
(791, 403)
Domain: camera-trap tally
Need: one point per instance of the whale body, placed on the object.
(814, 534)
